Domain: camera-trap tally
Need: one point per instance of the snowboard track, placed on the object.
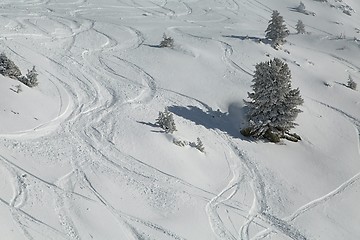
(95, 97)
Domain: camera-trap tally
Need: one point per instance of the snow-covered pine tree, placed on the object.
(8, 68)
(166, 121)
(273, 105)
(160, 121)
(300, 27)
(351, 83)
(276, 30)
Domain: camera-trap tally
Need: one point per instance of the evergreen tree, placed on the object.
(32, 77)
(273, 105)
(199, 145)
(167, 42)
(276, 30)
(166, 121)
(300, 27)
(351, 83)
(8, 68)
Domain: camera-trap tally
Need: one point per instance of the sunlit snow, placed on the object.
(82, 158)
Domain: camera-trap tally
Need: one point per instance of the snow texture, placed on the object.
(81, 157)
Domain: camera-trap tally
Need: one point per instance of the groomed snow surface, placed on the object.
(82, 158)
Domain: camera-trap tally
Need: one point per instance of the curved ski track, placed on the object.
(95, 95)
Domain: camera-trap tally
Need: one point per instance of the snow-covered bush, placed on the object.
(167, 42)
(276, 30)
(300, 27)
(273, 104)
(8, 68)
(351, 83)
(180, 143)
(18, 88)
(301, 7)
(30, 79)
(166, 121)
(199, 145)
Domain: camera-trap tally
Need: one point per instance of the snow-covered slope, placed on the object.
(82, 158)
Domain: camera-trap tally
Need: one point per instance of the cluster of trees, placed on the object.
(277, 31)
(274, 104)
(9, 69)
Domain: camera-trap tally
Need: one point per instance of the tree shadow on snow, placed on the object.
(154, 125)
(153, 46)
(296, 9)
(254, 39)
(230, 122)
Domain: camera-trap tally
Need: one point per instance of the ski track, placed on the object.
(94, 104)
(259, 208)
(329, 196)
(227, 48)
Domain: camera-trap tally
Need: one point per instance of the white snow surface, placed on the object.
(82, 158)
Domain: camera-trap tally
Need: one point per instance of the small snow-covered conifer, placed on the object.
(166, 121)
(301, 7)
(167, 42)
(351, 83)
(300, 27)
(276, 30)
(273, 104)
(199, 145)
(30, 79)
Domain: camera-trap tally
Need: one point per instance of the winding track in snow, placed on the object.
(93, 107)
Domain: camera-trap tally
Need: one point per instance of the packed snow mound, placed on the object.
(82, 155)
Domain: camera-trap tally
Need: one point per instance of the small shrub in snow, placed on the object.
(301, 7)
(199, 145)
(8, 68)
(166, 121)
(30, 79)
(180, 142)
(18, 88)
(273, 105)
(327, 84)
(351, 83)
(276, 30)
(300, 27)
(347, 12)
(167, 42)
(292, 137)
